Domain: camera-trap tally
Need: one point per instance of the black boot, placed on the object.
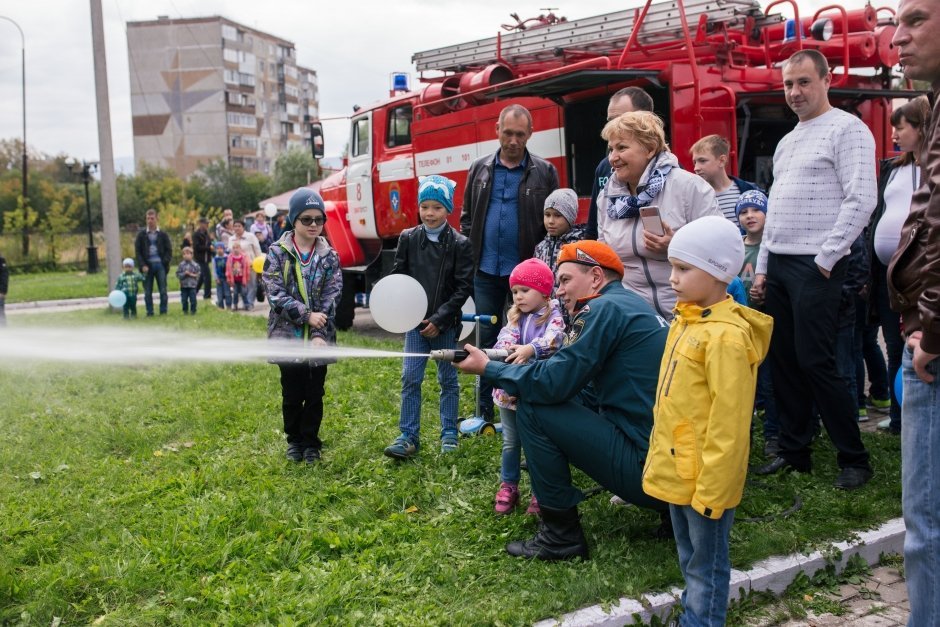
(559, 537)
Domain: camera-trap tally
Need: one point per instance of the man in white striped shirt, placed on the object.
(823, 194)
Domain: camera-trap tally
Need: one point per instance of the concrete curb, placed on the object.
(773, 574)
(75, 303)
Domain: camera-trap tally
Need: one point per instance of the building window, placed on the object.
(230, 55)
(231, 77)
(241, 119)
(229, 32)
(360, 138)
(399, 126)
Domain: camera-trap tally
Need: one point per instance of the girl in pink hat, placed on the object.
(534, 330)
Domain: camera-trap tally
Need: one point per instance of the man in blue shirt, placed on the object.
(502, 216)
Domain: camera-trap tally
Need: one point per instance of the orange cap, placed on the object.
(591, 253)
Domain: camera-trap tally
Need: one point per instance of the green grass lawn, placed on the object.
(56, 285)
(161, 495)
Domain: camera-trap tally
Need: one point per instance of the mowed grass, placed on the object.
(58, 285)
(161, 495)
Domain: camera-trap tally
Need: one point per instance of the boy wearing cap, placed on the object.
(303, 281)
(561, 211)
(614, 343)
(751, 212)
(127, 282)
(441, 260)
(699, 448)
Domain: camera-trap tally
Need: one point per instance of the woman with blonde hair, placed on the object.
(647, 174)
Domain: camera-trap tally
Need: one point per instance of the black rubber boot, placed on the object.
(559, 537)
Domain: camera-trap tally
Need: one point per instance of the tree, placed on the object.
(61, 218)
(21, 220)
(294, 168)
(222, 185)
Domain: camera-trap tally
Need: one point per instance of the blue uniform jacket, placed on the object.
(616, 343)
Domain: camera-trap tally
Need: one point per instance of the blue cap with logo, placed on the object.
(302, 200)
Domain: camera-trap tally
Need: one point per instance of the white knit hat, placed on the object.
(713, 244)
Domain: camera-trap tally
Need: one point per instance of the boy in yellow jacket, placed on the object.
(700, 442)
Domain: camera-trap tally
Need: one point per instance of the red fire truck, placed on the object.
(711, 66)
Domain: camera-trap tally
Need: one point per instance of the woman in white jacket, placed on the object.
(646, 174)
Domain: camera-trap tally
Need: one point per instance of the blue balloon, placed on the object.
(899, 385)
(117, 298)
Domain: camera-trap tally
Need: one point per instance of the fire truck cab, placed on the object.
(710, 67)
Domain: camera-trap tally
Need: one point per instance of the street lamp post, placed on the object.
(25, 157)
(87, 168)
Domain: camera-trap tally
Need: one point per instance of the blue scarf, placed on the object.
(627, 206)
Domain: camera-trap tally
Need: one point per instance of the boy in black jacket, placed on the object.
(441, 260)
(4, 284)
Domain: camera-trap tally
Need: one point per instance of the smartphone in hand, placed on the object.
(651, 220)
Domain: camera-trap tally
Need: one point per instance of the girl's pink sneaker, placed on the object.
(506, 498)
(533, 508)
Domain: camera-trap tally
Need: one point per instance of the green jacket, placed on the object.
(128, 282)
(616, 343)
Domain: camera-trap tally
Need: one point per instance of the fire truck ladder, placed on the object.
(602, 34)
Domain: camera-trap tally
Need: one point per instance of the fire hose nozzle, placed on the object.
(455, 355)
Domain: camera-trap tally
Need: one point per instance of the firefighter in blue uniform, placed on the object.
(614, 348)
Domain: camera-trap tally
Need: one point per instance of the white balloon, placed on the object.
(117, 298)
(469, 308)
(398, 303)
(270, 210)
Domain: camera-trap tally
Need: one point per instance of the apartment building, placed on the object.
(208, 88)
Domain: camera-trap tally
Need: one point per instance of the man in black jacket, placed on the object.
(202, 254)
(502, 215)
(153, 250)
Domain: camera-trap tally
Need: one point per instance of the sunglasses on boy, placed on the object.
(308, 220)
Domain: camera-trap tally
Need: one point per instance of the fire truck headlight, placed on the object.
(822, 29)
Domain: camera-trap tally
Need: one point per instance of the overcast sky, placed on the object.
(353, 46)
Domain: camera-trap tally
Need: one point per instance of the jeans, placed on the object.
(412, 376)
(240, 290)
(868, 356)
(205, 279)
(188, 297)
(3, 314)
(302, 403)
(490, 295)
(846, 357)
(512, 448)
(766, 401)
(155, 271)
(920, 486)
(890, 322)
(706, 567)
(804, 306)
(223, 295)
(130, 306)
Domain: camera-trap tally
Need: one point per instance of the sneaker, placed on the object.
(506, 498)
(771, 447)
(884, 425)
(311, 455)
(295, 452)
(533, 509)
(401, 448)
(448, 441)
(616, 500)
(862, 414)
(878, 403)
